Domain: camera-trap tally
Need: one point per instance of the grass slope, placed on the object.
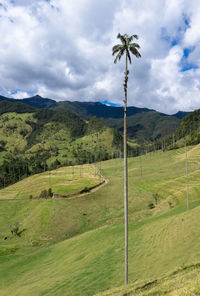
(63, 181)
(161, 240)
(92, 261)
(182, 282)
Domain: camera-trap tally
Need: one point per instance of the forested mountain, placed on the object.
(187, 132)
(189, 127)
(89, 109)
(34, 140)
(18, 107)
(142, 123)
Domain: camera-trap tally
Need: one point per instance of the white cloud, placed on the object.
(62, 50)
(19, 94)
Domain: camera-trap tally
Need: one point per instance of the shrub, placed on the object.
(43, 194)
(46, 193)
(151, 205)
(50, 192)
(15, 228)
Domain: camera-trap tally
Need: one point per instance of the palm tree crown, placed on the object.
(126, 47)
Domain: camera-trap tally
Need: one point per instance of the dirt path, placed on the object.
(105, 181)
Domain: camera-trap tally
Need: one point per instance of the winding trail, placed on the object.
(105, 181)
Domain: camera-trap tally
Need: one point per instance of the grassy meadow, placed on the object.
(64, 181)
(76, 246)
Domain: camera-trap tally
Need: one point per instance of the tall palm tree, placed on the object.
(128, 48)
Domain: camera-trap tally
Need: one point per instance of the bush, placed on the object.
(151, 205)
(50, 192)
(46, 193)
(43, 194)
(15, 228)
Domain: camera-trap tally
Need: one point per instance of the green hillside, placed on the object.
(187, 132)
(65, 181)
(31, 143)
(189, 126)
(14, 131)
(75, 246)
(150, 125)
(142, 123)
(6, 106)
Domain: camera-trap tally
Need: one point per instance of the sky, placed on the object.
(62, 49)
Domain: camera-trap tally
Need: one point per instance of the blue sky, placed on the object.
(185, 64)
(108, 103)
(46, 50)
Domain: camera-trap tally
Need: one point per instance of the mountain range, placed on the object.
(142, 123)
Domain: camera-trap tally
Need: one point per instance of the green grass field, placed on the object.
(64, 181)
(75, 246)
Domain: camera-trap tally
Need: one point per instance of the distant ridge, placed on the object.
(35, 101)
(83, 109)
(142, 123)
(181, 114)
(87, 109)
(40, 102)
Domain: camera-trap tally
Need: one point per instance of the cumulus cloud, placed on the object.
(62, 50)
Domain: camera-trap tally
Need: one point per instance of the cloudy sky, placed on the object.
(62, 49)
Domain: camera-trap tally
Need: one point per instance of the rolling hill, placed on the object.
(64, 182)
(75, 247)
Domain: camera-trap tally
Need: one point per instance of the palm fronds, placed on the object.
(126, 46)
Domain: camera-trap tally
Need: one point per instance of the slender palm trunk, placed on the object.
(140, 165)
(186, 167)
(126, 176)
